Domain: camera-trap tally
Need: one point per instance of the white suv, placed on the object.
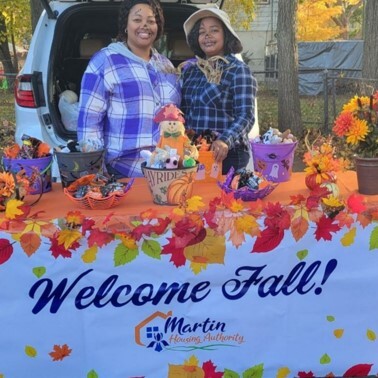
(66, 36)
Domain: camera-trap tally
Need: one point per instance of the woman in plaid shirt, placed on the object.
(123, 87)
(218, 90)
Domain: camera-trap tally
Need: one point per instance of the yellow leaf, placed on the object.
(197, 267)
(348, 238)
(191, 361)
(68, 237)
(283, 372)
(195, 203)
(236, 206)
(371, 335)
(301, 213)
(339, 332)
(12, 210)
(246, 223)
(30, 351)
(34, 226)
(178, 211)
(90, 254)
(128, 241)
(211, 250)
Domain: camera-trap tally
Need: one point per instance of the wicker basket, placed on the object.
(92, 203)
(245, 193)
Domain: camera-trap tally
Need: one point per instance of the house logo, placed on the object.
(164, 331)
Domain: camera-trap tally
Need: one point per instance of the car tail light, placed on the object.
(23, 91)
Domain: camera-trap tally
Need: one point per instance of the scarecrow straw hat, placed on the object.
(209, 12)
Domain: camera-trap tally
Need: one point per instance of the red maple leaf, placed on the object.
(177, 257)
(161, 226)
(356, 203)
(59, 250)
(60, 352)
(209, 370)
(325, 226)
(277, 216)
(297, 199)
(140, 230)
(6, 250)
(269, 239)
(100, 238)
(87, 225)
(303, 374)
(361, 370)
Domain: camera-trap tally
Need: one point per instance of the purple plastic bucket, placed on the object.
(37, 170)
(274, 161)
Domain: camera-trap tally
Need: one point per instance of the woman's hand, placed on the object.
(220, 150)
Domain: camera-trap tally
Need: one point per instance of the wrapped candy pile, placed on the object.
(246, 185)
(31, 148)
(274, 136)
(96, 191)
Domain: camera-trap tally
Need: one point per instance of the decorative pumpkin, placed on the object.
(179, 188)
(333, 188)
(312, 180)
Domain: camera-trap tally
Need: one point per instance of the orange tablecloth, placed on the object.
(56, 205)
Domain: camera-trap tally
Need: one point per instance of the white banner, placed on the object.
(306, 308)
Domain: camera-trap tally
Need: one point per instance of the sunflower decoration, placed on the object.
(12, 185)
(357, 125)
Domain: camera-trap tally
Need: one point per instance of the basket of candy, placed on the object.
(246, 185)
(97, 192)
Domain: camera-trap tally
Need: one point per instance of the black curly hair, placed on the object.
(231, 44)
(123, 17)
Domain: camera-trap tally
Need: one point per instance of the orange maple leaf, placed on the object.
(60, 352)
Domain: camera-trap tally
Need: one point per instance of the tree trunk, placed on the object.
(369, 63)
(289, 109)
(5, 56)
(36, 9)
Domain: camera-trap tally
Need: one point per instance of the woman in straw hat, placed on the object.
(124, 86)
(218, 89)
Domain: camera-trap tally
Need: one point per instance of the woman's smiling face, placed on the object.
(141, 26)
(211, 37)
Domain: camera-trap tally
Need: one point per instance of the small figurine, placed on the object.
(172, 132)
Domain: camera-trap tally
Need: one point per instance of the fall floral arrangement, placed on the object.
(12, 186)
(358, 125)
(321, 160)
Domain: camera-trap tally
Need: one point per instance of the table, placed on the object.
(148, 290)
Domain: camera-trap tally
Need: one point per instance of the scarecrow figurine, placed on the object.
(172, 133)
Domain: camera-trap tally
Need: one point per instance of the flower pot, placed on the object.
(367, 175)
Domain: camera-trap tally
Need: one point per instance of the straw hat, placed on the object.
(209, 12)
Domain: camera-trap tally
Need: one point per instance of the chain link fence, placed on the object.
(318, 111)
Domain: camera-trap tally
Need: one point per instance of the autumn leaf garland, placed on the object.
(189, 233)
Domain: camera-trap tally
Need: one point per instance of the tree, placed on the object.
(14, 30)
(241, 12)
(36, 9)
(370, 51)
(321, 20)
(289, 110)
